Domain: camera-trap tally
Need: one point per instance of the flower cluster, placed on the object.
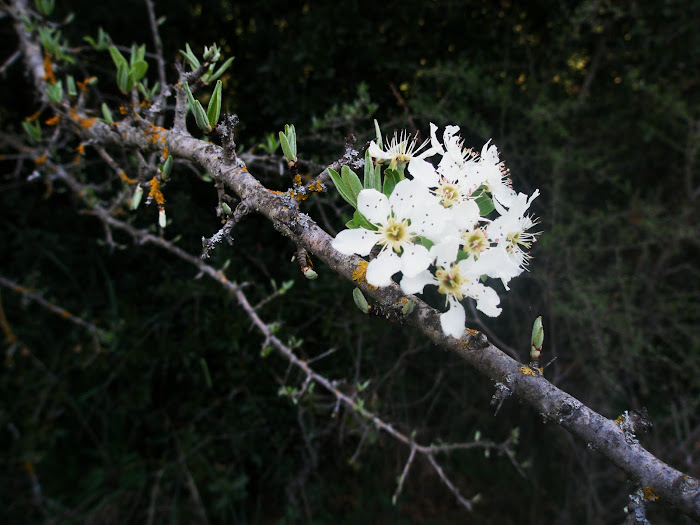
(454, 222)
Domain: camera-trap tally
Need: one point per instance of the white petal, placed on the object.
(453, 320)
(359, 241)
(374, 205)
(376, 152)
(407, 197)
(423, 171)
(380, 270)
(433, 139)
(498, 264)
(414, 259)
(445, 252)
(487, 300)
(465, 214)
(415, 284)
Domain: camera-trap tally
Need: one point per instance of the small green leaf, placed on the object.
(117, 57)
(136, 197)
(485, 203)
(123, 79)
(359, 221)
(351, 181)
(190, 57)
(70, 86)
(205, 371)
(138, 70)
(222, 69)
(360, 301)
(378, 134)
(201, 117)
(391, 179)
(107, 114)
(214, 107)
(166, 167)
(190, 98)
(344, 191)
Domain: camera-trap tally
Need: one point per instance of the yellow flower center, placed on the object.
(395, 233)
(449, 195)
(450, 282)
(475, 242)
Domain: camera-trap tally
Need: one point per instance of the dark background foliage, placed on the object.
(594, 103)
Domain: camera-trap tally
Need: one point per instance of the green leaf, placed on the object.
(214, 107)
(138, 70)
(221, 70)
(201, 117)
(373, 174)
(391, 179)
(190, 98)
(117, 57)
(190, 57)
(344, 191)
(137, 54)
(378, 133)
(70, 86)
(107, 114)
(288, 143)
(485, 203)
(123, 78)
(351, 181)
(359, 221)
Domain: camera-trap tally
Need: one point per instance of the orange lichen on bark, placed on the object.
(123, 176)
(154, 134)
(650, 493)
(316, 186)
(48, 70)
(527, 371)
(33, 116)
(82, 86)
(53, 121)
(40, 160)
(155, 192)
(83, 122)
(166, 153)
(80, 149)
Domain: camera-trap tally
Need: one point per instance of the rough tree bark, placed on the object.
(603, 435)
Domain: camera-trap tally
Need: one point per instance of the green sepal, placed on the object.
(391, 179)
(214, 107)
